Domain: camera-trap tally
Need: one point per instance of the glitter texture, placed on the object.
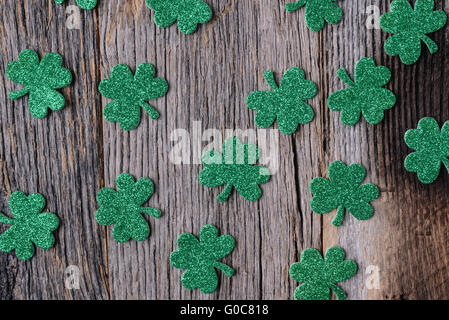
(365, 95)
(40, 80)
(188, 13)
(124, 208)
(432, 148)
(286, 102)
(409, 27)
(317, 12)
(200, 258)
(319, 277)
(130, 92)
(29, 225)
(83, 4)
(343, 190)
(235, 168)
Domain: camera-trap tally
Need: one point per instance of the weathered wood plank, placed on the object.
(59, 156)
(210, 74)
(406, 238)
(284, 43)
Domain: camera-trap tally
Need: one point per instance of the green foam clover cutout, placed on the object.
(319, 276)
(343, 190)
(366, 94)
(409, 27)
(29, 225)
(235, 167)
(432, 149)
(200, 258)
(83, 4)
(124, 209)
(285, 103)
(130, 93)
(188, 13)
(318, 12)
(40, 81)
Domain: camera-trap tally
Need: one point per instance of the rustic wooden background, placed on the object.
(71, 154)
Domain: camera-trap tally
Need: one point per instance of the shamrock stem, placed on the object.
(269, 76)
(222, 197)
(227, 270)
(4, 219)
(151, 111)
(445, 162)
(433, 47)
(13, 95)
(338, 220)
(343, 75)
(295, 5)
(341, 295)
(151, 211)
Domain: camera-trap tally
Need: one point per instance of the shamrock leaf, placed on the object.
(124, 208)
(83, 4)
(200, 258)
(317, 12)
(286, 102)
(29, 225)
(130, 92)
(409, 27)
(343, 190)
(189, 13)
(235, 168)
(319, 277)
(40, 80)
(365, 94)
(432, 148)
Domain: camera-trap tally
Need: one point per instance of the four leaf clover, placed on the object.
(83, 4)
(343, 190)
(200, 258)
(40, 80)
(189, 13)
(124, 208)
(432, 149)
(319, 277)
(317, 12)
(29, 225)
(130, 92)
(235, 168)
(409, 27)
(286, 102)
(365, 95)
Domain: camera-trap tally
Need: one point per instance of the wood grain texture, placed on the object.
(406, 238)
(71, 154)
(59, 156)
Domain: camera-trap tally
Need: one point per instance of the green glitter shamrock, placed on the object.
(235, 168)
(189, 13)
(40, 80)
(286, 102)
(124, 208)
(130, 92)
(200, 258)
(83, 4)
(409, 27)
(317, 12)
(343, 190)
(432, 148)
(319, 277)
(29, 225)
(365, 94)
